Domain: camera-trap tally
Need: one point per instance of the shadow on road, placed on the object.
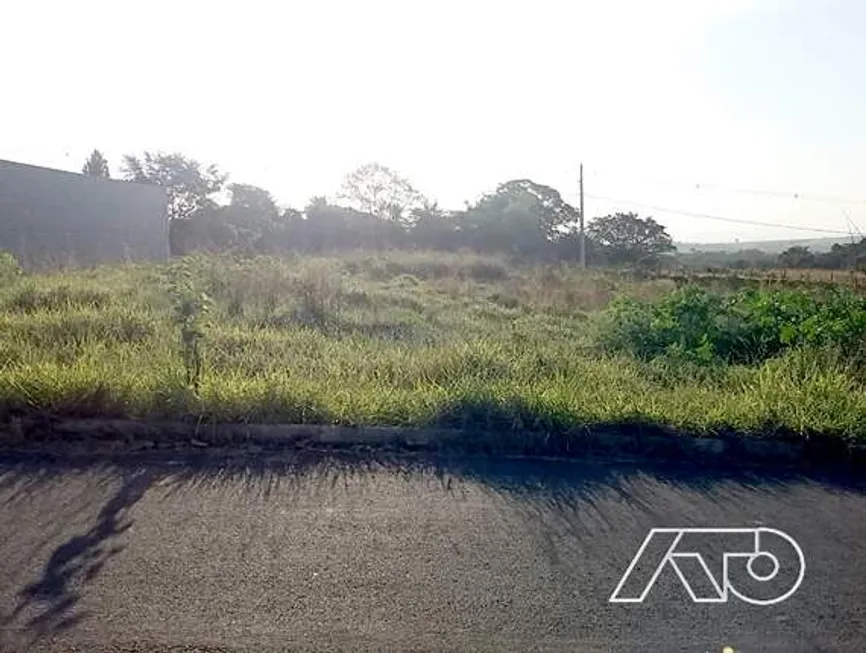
(52, 598)
(541, 488)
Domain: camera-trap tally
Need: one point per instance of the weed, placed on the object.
(440, 339)
(10, 271)
(748, 326)
(31, 298)
(190, 308)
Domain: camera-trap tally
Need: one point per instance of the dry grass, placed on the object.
(404, 339)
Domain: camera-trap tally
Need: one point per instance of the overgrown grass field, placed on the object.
(429, 339)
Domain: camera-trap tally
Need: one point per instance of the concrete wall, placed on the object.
(50, 217)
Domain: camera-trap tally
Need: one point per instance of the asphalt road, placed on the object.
(320, 553)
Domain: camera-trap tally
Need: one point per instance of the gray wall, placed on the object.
(50, 217)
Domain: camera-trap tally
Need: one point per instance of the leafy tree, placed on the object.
(326, 226)
(433, 228)
(797, 257)
(376, 189)
(250, 208)
(96, 166)
(283, 234)
(189, 185)
(252, 199)
(520, 216)
(843, 256)
(627, 238)
(250, 215)
(555, 216)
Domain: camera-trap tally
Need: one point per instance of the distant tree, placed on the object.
(251, 206)
(627, 238)
(326, 226)
(433, 228)
(555, 216)
(244, 224)
(376, 189)
(843, 256)
(567, 247)
(740, 259)
(254, 199)
(96, 166)
(797, 257)
(520, 216)
(190, 186)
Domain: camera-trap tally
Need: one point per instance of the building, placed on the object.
(50, 217)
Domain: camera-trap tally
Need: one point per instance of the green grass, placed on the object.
(411, 339)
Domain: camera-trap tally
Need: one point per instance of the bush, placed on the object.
(30, 298)
(749, 326)
(9, 269)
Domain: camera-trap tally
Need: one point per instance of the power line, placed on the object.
(752, 191)
(721, 218)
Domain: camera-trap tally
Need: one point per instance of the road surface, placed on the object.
(317, 553)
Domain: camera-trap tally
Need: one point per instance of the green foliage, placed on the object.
(31, 298)
(190, 307)
(726, 260)
(382, 210)
(96, 166)
(10, 271)
(797, 257)
(318, 297)
(520, 217)
(749, 326)
(841, 256)
(844, 256)
(189, 185)
(627, 238)
(423, 338)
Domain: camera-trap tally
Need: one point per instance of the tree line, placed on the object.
(841, 256)
(378, 208)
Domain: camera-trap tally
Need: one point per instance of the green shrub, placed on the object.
(30, 299)
(191, 306)
(10, 271)
(750, 326)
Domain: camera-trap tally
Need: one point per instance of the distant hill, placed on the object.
(769, 246)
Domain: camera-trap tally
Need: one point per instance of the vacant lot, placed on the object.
(428, 338)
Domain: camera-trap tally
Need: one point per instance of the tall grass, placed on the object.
(405, 339)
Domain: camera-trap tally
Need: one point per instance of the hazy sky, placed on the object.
(653, 97)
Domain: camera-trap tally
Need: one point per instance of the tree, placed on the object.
(433, 228)
(520, 216)
(250, 215)
(797, 257)
(843, 256)
(627, 238)
(253, 200)
(376, 189)
(189, 185)
(328, 227)
(555, 216)
(96, 166)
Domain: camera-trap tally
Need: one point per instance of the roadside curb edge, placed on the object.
(605, 441)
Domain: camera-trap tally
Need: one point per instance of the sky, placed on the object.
(671, 104)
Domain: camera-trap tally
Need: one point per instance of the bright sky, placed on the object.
(653, 97)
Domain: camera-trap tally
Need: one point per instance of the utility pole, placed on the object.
(582, 232)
